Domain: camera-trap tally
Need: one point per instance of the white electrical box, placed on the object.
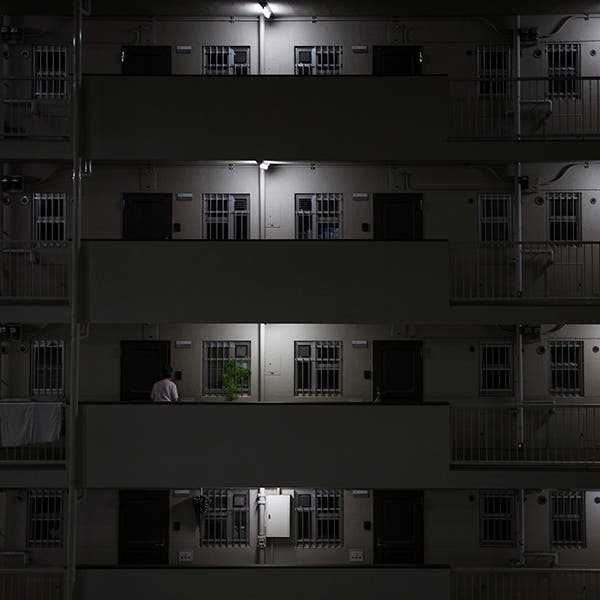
(277, 516)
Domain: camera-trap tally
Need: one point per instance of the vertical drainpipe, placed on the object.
(261, 361)
(261, 44)
(522, 540)
(71, 550)
(262, 531)
(517, 75)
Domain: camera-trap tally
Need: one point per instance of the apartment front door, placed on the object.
(397, 60)
(142, 363)
(398, 527)
(398, 371)
(147, 216)
(143, 527)
(398, 217)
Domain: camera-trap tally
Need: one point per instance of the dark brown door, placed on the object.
(142, 364)
(398, 527)
(398, 371)
(397, 60)
(143, 527)
(398, 217)
(147, 216)
(146, 60)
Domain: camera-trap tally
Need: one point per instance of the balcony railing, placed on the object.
(487, 271)
(32, 271)
(32, 584)
(525, 584)
(35, 108)
(36, 449)
(549, 108)
(565, 434)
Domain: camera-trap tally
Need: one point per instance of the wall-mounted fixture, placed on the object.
(360, 196)
(184, 196)
(264, 165)
(267, 11)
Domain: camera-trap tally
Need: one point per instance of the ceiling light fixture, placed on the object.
(264, 165)
(267, 11)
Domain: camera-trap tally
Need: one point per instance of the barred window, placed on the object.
(226, 60)
(50, 71)
(318, 60)
(564, 216)
(319, 518)
(227, 522)
(494, 69)
(47, 367)
(564, 67)
(495, 217)
(496, 368)
(566, 368)
(496, 519)
(226, 216)
(216, 355)
(45, 518)
(319, 216)
(49, 221)
(318, 369)
(567, 514)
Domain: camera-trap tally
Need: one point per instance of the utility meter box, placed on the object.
(277, 516)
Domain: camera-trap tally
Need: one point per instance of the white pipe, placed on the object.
(518, 232)
(520, 387)
(261, 361)
(522, 540)
(517, 75)
(262, 528)
(261, 204)
(261, 44)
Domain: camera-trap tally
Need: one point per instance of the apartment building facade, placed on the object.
(364, 238)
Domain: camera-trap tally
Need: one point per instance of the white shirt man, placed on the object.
(165, 390)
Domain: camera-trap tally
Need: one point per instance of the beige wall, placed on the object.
(451, 353)
(450, 195)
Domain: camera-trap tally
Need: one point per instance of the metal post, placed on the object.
(71, 520)
(519, 388)
(261, 44)
(517, 76)
(522, 538)
(261, 204)
(261, 361)
(518, 228)
(262, 531)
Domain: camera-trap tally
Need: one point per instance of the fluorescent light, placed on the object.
(264, 165)
(266, 9)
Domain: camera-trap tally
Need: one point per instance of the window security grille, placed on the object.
(226, 60)
(318, 368)
(566, 368)
(226, 216)
(50, 71)
(47, 367)
(227, 520)
(564, 220)
(216, 354)
(319, 216)
(564, 67)
(318, 60)
(494, 69)
(567, 514)
(496, 519)
(495, 217)
(49, 222)
(496, 369)
(45, 518)
(319, 518)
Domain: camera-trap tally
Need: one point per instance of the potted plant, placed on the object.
(234, 375)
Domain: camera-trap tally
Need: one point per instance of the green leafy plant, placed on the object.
(234, 376)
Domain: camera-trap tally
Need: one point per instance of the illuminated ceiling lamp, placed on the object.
(267, 11)
(264, 165)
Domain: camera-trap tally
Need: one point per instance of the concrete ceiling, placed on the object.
(350, 8)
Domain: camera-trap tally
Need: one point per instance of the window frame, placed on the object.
(316, 66)
(230, 515)
(233, 218)
(314, 515)
(499, 199)
(50, 83)
(40, 223)
(483, 391)
(231, 68)
(486, 516)
(232, 347)
(576, 199)
(567, 392)
(56, 368)
(44, 518)
(579, 496)
(495, 78)
(566, 73)
(320, 220)
(317, 365)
